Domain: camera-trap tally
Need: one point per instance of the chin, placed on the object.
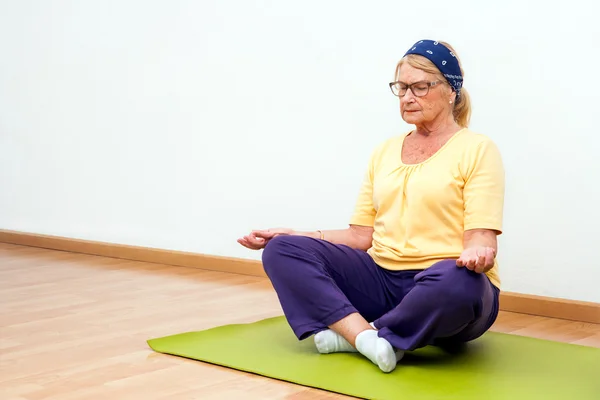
(412, 118)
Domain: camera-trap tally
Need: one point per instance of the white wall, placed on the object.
(184, 124)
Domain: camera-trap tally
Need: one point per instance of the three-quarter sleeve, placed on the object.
(364, 211)
(484, 187)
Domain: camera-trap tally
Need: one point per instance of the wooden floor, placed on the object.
(75, 327)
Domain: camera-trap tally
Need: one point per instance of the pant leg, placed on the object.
(447, 302)
(319, 283)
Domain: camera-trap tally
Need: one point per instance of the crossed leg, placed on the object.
(332, 291)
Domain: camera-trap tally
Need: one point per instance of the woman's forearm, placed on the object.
(357, 237)
(481, 237)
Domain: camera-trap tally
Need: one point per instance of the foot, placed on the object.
(329, 341)
(378, 350)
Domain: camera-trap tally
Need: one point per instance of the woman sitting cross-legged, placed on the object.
(417, 265)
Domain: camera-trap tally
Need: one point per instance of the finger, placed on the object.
(490, 258)
(255, 239)
(481, 259)
(476, 259)
(469, 261)
(247, 244)
(460, 262)
(254, 242)
(263, 234)
(473, 263)
(481, 263)
(480, 266)
(485, 261)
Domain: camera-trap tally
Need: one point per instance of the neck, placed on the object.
(438, 127)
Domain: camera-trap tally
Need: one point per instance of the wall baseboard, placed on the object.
(515, 302)
(135, 253)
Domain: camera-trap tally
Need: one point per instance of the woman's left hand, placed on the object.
(478, 258)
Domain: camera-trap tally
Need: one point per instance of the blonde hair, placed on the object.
(462, 107)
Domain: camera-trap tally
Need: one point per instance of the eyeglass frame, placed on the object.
(430, 84)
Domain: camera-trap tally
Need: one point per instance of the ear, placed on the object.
(452, 97)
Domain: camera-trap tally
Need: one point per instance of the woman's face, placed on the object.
(421, 110)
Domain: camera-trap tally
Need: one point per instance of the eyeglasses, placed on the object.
(419, 89)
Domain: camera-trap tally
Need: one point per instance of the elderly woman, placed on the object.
(417, 264)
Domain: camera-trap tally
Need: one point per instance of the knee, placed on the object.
(453, 283)
(282, 244)
(274, 249)
(280, 249)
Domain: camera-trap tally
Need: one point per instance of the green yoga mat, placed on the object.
(496, 366)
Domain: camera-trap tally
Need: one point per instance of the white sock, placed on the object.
(378, 350)
(399, 353)
(329, 341)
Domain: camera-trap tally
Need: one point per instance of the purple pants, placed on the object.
(319, 283)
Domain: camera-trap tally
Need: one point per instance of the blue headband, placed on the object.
(443, 59)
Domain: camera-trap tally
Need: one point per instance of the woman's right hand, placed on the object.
(257, 240)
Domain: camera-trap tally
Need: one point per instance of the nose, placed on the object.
(408, 97)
